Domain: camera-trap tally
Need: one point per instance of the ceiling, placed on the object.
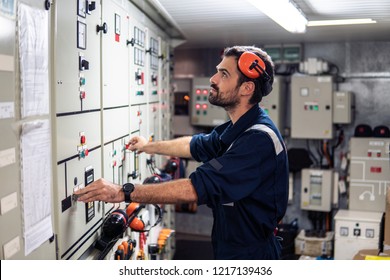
(218, 23)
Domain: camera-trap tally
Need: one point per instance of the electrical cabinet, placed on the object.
(109, 80)
(311, 107)
(356, 230)
(274, 104)
(202, 112)
(316, 189)
(369, 174)
(343, 107)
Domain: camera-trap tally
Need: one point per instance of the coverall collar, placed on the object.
(231, 132)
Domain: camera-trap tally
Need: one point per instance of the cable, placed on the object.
(326, 153)
(314, 159)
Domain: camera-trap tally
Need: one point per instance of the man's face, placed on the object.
(224, 89)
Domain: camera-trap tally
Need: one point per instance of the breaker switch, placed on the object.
(154, 79)
(356, 232)
(91, 5)
(83, 64)
(139, 77)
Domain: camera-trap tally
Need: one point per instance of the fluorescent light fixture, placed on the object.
(284, 13)
(340, 22)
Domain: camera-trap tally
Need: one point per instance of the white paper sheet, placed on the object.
(36, 183)
(33, 50)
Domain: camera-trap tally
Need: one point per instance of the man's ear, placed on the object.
(248, 87)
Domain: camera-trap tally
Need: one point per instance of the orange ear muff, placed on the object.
(132, 211)
(137, 224)
(251, 65)
(131, 208)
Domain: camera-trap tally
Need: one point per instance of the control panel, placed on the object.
(369, 173)
(356, 230)
(202, 112)
(311, 107)
(316, 189)
(274, 104)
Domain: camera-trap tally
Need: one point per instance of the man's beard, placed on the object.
(230, 101)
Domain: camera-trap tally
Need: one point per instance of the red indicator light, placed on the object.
(204, 106)
(205, 91)
(197, 91)
(197, 106)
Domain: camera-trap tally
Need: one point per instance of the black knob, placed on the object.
(91, 6)
(131, 42)
(103, 28)
(85, 64)
(47, 5)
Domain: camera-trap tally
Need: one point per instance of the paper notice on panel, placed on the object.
(7, 110)
(34, 57)
(6, 63)
(7, 157)
(36, 183)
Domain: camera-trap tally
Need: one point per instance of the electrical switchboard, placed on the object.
(202, 112)
(369, 173)
(311, 107)
(274, 104)
(109, 81)
(343, 107)
(316, 189)
(356, 230)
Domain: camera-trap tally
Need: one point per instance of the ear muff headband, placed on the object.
(251, 65)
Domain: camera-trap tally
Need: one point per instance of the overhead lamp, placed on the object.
(340, 22)
(283, 12)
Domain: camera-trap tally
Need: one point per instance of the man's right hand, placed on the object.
(137, 143)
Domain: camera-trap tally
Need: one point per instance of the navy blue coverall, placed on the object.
(244, 180)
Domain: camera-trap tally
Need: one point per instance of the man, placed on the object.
(244, 176)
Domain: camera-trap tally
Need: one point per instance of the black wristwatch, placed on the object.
(128, 188)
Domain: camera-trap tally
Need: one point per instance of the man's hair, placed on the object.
(263, 86)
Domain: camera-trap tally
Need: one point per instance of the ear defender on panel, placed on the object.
(132, 211)
(252, 66)
(114, 225)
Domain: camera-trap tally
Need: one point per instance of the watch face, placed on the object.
(128, 187)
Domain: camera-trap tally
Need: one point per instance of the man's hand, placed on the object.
(101, 190)
(137, 143)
